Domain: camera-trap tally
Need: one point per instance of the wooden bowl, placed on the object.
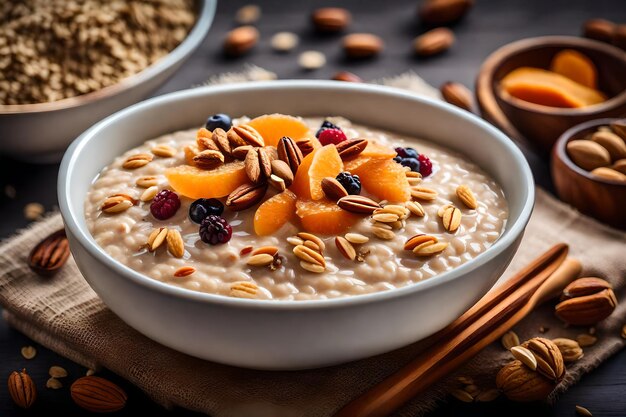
(542, 125)
(601, 198)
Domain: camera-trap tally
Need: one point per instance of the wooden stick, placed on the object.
(482, 324)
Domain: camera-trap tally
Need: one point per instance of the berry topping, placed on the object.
(202, 207)
(426, 166)
(331, 136)
(406, 152)
(215, 230)
(165, 204)
(326, 125)
(220, 120)
(352, 183)
(412, 163)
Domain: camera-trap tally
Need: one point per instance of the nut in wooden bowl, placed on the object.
(588, 169)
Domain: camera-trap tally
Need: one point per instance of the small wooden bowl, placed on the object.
(601, 198)
(542, 125)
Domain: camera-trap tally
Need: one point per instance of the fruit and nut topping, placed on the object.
(288, 208)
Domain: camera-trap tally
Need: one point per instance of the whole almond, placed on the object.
(345, 248)
(253, 170)
(465, 194)
(609, 174)
(457, 94)
(587, 154)
(347, 77)
(619, 128)
(175, 244)
(443, 12)
(283, 171)
(289, 153)
(220, 138)
(22, 389)
(419, 240)
(305, 145)
(358, 204)
(240, 40)
(451, 219)
(208, 159)
(331, 19)
(333, 189)
(97, 395)
(434, 42)
(599, 29)
(184, 271)
(612, 143)
(240, 152)
(586, 301)
(620, 166)
(351, 148)
(137, 161)
(244, 289)
(570, 349)
(249, 135)
(362, 45)
(117, 203)
(246, 196)
(424, 193)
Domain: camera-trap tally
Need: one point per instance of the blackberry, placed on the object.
(215, 230)
(165, 204)
(202, 207)
(352, 183)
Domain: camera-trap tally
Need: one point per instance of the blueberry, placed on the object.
(412, 163)
(352, 183)
(220, 120)
(326, 125)
(203, 207)
(398, 159)
(406, 152)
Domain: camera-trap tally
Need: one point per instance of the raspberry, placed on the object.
(352, 183)
(331, 136)
(326, 125)
(426, 166)
(215, 229)
(165, 204)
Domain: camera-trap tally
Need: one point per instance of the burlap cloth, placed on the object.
(65, 315)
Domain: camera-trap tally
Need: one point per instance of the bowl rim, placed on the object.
(504, 53)
(514, 228)
(566, 137)
(206, 13)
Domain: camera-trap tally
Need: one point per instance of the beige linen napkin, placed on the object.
(64, 314)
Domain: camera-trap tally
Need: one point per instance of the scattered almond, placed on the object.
(345, 248)
(149, 193)
(333, 189)
(509, 340)
(457, 94)
(147, 181)
(244, 289)
(57, 372)
(156, 238)
(164, 151)
(434, 42)
(284, 41)
(270, 250)
(240, 40)
(415, 208)
(247, 15)
(586, 340)
(53, 383)
(467, 197)
(423, 193)
(347, 77)
(262, 259)
(462, 395)
(184, 271)
(33, 211)
(309, 255)
(310, 236)
(315, 268)
(451, 219)
(331, 19)
(599, 29)
(175, 244)
(362, 45)
(443, 12)
(382, 233)
(311, 60)
(356, 238)
(117, 203)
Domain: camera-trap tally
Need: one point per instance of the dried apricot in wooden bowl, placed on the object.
(542, 124)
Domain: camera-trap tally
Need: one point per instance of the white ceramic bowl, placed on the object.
(41, 132)
(292, 334)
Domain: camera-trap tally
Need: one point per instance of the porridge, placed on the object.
(285, 208)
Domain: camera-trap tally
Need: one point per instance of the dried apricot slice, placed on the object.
(274, 213)
(324, 217)
(575, 66)
(385, 179)
(198, 183)
(322, 162)
(274, 126)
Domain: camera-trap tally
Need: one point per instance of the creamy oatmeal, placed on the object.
(442, 221)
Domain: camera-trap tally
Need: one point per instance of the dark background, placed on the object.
(490, 24)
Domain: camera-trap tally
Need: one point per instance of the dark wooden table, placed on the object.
(492, 23)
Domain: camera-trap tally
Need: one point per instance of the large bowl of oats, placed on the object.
(65, 64)
(249, 240)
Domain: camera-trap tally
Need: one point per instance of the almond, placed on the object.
(253, 169)
(184, 271)
(362, 45)
(305, 145)
(175, 244)
(457, 94)
(147, 181)
(434, 42)
(208, 159)
(246, 196)
(443, 12)
(22, 389)
(331, 19)
(345, 248)
(451, 219)
(249, 135)
(164, 151)
(358, 204)
(97, 395)
(137, 161)
(333, 189)
(240, 40)
(261, 259)
(289, 153)
(467, 197)
(117, 203)
(244, 289)
(587, 154)
(350, 148)
(609, 174)
(240, 152)
(599, 29)
(418, 240)
(282, 170)
(620, 166)
(347, 77)
(619, 127)
(586, 301)
(612, 143)
(423, 193)
(309, 255)
(220, 138)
